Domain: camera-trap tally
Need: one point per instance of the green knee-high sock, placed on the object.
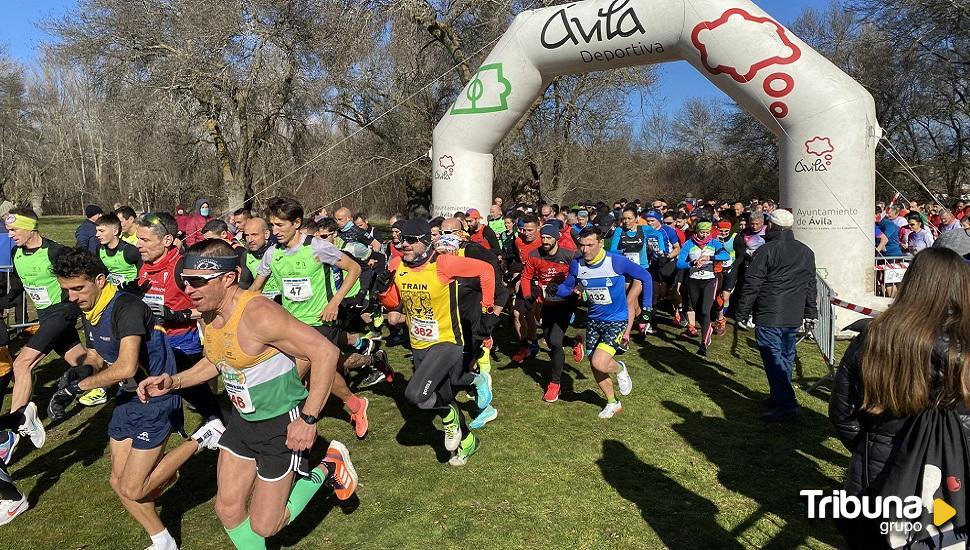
(245, 538)
(303, 490)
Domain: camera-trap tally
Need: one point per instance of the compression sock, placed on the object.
(485, 361)
(303, 490)
(8, 491)
(245, 538)
(451, 415)
(611, 400)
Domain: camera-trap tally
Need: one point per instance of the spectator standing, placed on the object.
(920, 236)
(196, 221)
(86, 236)
(957, 240)
(780, 292)
(907, 366)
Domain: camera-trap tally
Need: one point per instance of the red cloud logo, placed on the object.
(819, 146)
(447, 162)
(739, 30)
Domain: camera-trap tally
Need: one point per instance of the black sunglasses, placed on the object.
(199, 281)
(412, 239)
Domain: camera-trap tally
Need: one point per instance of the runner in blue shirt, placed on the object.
(602, 276)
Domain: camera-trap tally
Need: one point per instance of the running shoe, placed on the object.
(647, 328)
(97, 396)
(521, 354)
(702, 351)
(383, 365)
(610, 410)
(490, 413)
(689, 333)
(483, 390)
(468, 447)
(373, 378)
(341, 475)
(720, 327)
(453, 431)
(208, 435)
(10, 509)
(681, 320)
(8, 446)
(623, 379)
(366, 346)
(359, 420)
(32, 426)
(579, 350)
(552, 393)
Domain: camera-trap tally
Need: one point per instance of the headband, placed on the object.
(15, 221)
(702, 226)
(213, 263)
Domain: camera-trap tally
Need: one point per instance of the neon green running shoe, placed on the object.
(97, 396)
(469, 446)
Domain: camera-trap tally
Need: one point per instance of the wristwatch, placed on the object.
(309, 418)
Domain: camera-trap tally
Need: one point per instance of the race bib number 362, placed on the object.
(425, 330)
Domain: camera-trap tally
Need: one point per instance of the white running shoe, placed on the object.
(9, 509)
(32, 426)
(453, 434)
(610, 410)
(208, 435)
(623, 379)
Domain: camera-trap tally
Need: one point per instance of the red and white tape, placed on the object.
(883, 267)
(855, 307)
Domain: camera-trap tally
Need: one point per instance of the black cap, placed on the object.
(92, 210)
(416, 227)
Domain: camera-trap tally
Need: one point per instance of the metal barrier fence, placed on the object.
(889, 273)
(19, 313)
(824, 331)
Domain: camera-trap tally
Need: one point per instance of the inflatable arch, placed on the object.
(825, 122)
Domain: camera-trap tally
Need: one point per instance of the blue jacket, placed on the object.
(87, 236)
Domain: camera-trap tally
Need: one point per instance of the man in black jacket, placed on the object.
(780, 290)
(86, 234)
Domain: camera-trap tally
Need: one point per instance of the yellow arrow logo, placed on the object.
(942, 512)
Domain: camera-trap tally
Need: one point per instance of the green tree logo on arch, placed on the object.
(486, 93)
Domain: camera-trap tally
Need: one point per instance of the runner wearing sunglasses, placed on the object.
(255, 344)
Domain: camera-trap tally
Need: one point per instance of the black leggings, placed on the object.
(437, 371)
(555, 321)
(701, 294)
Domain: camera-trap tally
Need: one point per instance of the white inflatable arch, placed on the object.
(825, 122)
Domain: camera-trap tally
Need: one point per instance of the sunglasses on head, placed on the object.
(153, 219)
(449, 231)
(326, 235)
(198, 281)
(412, 239)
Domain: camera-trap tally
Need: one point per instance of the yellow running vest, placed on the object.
(430, 306)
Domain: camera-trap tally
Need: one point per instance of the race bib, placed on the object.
(235, 383)
(271, 294)
(297, 289)
(633, 257)
(599, 296)
(425, 330)
(155, 302)
(116, 279)
(38, 295)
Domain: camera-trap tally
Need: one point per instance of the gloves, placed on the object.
(57, 408)
(487, 324)
(75, 374)
(809, 324)
(644, 317)
(180, 316)
(134, 287)
(383, 281)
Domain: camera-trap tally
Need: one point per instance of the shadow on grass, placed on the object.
(753, 458)
(681, 518)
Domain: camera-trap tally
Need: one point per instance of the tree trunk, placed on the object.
(233, 191)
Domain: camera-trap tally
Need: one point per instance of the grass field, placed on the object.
(687, 464)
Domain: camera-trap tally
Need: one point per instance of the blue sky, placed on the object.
(21, 36)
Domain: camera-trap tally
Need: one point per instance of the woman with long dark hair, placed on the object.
(911, 360)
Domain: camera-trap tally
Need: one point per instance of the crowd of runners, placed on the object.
(288, 306)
